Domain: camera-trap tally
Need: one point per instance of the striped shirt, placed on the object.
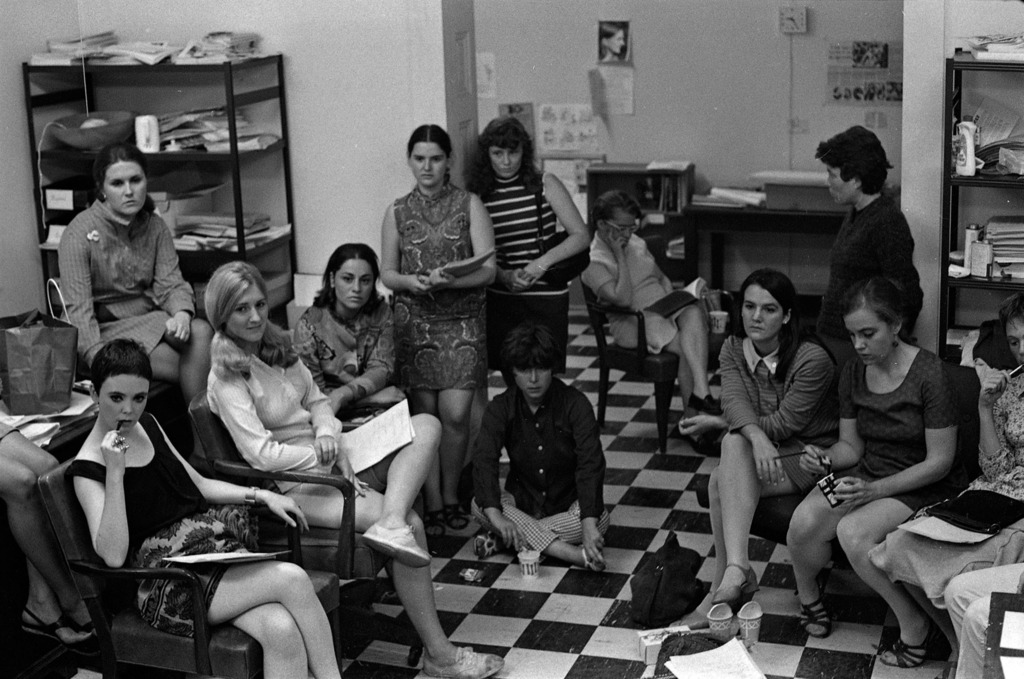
(513, 210)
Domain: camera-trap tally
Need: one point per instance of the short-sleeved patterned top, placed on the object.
(1003, 471)
(892, 425)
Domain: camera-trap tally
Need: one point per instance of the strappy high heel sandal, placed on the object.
(903, 655)
(815, 618)
(737, 595)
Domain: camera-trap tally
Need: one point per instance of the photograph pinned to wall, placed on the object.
(566, 128)
(523, 112)
(486, 76)
(614, 43)
(865, 73)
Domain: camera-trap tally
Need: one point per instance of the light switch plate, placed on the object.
(793, 19)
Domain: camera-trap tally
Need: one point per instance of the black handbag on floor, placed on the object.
(560, 273)
(666, 587)
(980, 511)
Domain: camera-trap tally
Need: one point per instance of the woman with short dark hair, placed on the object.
(552, 501)
(874, 239)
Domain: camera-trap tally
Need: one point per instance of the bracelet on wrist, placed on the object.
(250, 495)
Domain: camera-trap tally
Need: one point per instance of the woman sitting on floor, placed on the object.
(280, 420)
(346, 338)
(928, 565)
(779, 393)
(896, 452)
(552, 501)
(623, 272)
(144, 503)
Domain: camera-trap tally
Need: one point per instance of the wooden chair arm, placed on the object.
(201, 647)
(345, 564)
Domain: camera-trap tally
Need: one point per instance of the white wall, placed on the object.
(715, 83)
(21, 24)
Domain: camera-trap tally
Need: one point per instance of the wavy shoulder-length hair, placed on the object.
(506, 133)
(227, 285)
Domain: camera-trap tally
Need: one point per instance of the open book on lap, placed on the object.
(671, 303)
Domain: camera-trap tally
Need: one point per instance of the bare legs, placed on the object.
(406, 475)
(809, 540)
(453, 408)
(691, 345)
(186, 364)
(275, 603)
(51, 590)
(735, 478)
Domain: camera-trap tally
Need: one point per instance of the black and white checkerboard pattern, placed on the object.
(572, 623)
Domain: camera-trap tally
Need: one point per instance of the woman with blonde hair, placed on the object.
(280, 420)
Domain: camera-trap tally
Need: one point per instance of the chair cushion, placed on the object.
(233, 653)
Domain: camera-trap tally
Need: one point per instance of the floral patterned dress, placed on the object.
(440, 338)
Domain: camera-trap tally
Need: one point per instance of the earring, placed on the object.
(102, 197)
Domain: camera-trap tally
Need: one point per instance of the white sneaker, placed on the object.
(468, 665)
(398, 543)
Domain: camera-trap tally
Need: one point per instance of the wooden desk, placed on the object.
(718, 222)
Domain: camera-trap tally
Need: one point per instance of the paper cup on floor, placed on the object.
(750, 623)
(529, 562)
(719, 322)
(720, 622)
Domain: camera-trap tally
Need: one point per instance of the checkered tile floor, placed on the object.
(571, 623)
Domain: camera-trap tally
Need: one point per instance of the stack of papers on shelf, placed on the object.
(148, 53)
(739, 196)
(229, 243)
(681, 165)
(219, 47)
(221, 224)
(69, 51)
(246, 142)
(1006, 233)
(997, 47)
(198, 127)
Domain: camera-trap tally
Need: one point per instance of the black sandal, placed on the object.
(906, 656)
(433, 524)
(455, 518)
(87, 646)
(815, 618)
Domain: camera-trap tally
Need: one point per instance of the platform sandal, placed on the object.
(454, 517)
(815, 618)
(433, 523)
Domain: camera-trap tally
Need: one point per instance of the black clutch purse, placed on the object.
(979, 511)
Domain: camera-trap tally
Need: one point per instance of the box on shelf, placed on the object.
(172, 205)
(797, 190)
(72, 193)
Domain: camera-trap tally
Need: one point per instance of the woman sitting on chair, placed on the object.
(896, 450)
(144, 503)
(280, 420)
(346, 338)
(623, 272)
(961, 576)
(779, 393)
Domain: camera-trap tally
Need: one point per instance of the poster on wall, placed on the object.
(566, 128)
(865, 73)
(486, 77)
(614, 43)
(523, 112)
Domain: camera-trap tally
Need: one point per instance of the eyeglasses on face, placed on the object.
(623, 226)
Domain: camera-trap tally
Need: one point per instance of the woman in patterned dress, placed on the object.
(960, 577)
(143, 503)
(440, 333)
(896, 452)
(120, 276)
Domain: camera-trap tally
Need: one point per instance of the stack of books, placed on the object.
(997, 47)
(69, 51)
(724, 197)
(221, 224)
